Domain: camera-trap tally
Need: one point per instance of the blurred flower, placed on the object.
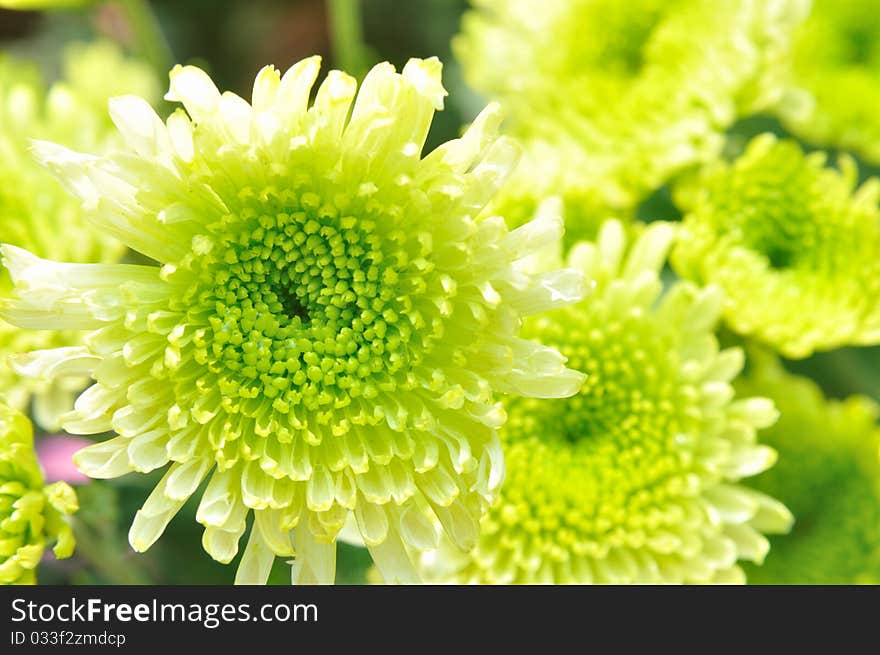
(828, 475)
(794, 245)
(55, 454)
(634, 479)
(329, 327)
(31, 514)
(611, 98)
(836, 78)
(36, 212)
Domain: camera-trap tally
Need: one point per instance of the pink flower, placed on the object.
(56, 452)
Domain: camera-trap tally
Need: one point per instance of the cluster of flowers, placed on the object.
(339, 335)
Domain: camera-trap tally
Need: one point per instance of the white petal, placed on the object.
(416, 529)
(50, 405)
(256, 562)
(237, 116)
(295, 89)
(220, 544)
(315, 561)
(462, 527)
(49, 365)
(350, 533)
(772, 516)
(70, 168)
(732, 504)
(544, 231)
(180, 131)
(108, 459)
(147, 451)
(393, 561)
(550, 290)
(220, 498)
(152, 519)
(372, 522)
(460, 154)
(265, 91)
(332, 103)
(750, 544)
(185, 477)
(141, 127)
(194, 88)
(650, 250)
(611, 244)
(427, 76)
(760, 412)
(272, 534)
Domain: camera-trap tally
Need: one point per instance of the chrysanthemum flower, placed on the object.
(329, 325)
(836, 78)
(793, 243)
(31, 513)
(636, 478)
(613, 98)
(36, 212)
(828, 475)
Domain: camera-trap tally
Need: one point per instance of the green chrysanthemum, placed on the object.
(794, 245)
(330, 324)
(36, 212)
(612, 98)
(829, 476)
(635, 479)
(836, 75)
(31, 513)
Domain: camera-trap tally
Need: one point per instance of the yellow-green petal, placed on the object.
(36, 211)
(32, 515)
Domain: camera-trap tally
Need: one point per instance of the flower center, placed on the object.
(785, 230)
(290, 269)
(302, 307)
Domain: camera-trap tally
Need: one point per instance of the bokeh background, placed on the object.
(232, 40)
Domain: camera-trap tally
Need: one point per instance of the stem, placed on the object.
(111, 565)
(346, 34)
(149, 41)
